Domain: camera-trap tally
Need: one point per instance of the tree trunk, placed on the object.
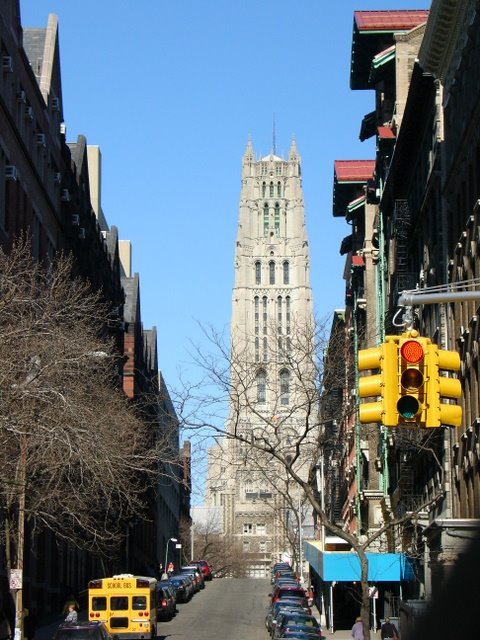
(365, 605)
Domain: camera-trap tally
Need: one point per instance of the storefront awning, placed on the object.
(344, 566)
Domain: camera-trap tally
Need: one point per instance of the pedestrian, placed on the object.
(357, 629)
(388, 630)
(72, 615)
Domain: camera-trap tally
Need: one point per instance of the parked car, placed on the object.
(166, 600)
(300, 632)
(280, 607)
(197, 572)
(183, 588)
(189, 579)
(295, 619)
(82, 631)
(205, 568)
(290, 591)
(279, 566)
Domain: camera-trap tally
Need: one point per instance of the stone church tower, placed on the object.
(272, 318)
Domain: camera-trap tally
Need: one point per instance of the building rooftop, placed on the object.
(373, 33)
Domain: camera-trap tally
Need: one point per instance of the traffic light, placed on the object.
(412, 399)
(441, 387)
(383, 385)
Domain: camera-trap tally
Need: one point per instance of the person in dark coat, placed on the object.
(388, 630)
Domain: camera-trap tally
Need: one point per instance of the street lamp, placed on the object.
(166, 553)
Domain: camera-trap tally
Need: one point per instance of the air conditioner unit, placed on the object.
(65, 195)
(10, 172)
(82, 234)
(22, 96)
(41, 139)
(76, 219)
(29, 113)
(57, 177)
(55, 104)
(7, 63)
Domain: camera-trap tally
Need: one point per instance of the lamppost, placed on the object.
(166, 553)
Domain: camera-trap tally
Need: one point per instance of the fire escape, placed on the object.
(403, 277)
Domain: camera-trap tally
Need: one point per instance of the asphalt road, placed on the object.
(227, 609)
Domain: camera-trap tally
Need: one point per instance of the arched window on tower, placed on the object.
(277, 217)
(279, 189)
(284, 387)
(271, 190)
(265, 219)
(261, 387)
(286, 272)
(264, 189)
(271, 270)
(258, 272)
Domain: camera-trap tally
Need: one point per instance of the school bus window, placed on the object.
(99, 604)
(119, 603)
(139, 602)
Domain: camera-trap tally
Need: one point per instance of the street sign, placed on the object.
(15, 578)
(372, 592)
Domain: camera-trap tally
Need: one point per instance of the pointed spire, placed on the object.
(293, 153)
(248, 155)
(274, 141)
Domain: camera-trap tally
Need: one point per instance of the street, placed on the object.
(226, 608)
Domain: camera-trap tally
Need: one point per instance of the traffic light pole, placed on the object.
(418, 296)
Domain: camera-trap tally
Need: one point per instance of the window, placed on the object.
(249, 487)
(277, 217)
(271, 190)
(279, 189)
(265, 350)
(99, 603)
(246, 546)
(261, 387)
(258, 272)
(119, 603)
(286, 272)
(257, 350)
(261, 529)
(264, 189)
(284, 387)
(265, 219)
(271, 268)
(262, 546)
(247, 528)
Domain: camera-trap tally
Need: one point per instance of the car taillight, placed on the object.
(164, 603)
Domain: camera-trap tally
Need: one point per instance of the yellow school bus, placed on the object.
(126, 604)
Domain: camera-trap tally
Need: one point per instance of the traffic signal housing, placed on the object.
(442, 388)
(382, 385)
(412, 400)
(412, 386)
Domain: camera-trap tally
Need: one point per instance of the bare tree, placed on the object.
(224, 555)
(75, 457)
(287, 442)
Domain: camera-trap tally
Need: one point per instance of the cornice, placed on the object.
(444, 23)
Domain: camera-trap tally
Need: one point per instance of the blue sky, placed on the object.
(170, 91)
